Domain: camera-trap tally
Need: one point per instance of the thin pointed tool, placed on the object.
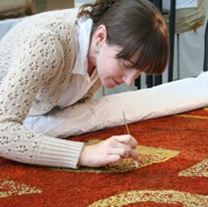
(128, 132)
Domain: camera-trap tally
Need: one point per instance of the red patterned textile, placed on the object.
(172, 172)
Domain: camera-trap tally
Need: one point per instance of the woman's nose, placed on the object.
(131, 76)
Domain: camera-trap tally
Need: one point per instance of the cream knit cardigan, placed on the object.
(36, 60)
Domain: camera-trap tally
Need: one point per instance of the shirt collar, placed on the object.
(83, 31)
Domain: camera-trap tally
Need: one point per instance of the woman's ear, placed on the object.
(100, 35)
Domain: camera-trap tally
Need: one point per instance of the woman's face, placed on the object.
(113, 71)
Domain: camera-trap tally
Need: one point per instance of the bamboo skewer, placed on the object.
(127, 128)
(128, 132)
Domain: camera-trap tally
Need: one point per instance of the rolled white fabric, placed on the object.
(163, 100)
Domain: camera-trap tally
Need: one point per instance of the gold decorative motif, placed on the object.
(200, 170)
(10, 187)
(147, 156)
(158, 196)
(192, 116)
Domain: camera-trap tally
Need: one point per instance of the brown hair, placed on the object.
(136, 26)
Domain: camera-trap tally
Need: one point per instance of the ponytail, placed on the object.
(96, 10)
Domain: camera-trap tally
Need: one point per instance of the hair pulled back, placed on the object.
(135, 25)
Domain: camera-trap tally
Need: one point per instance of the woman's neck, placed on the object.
(91, 68)
(91, 58)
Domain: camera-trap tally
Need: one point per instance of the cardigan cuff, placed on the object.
(57, 152)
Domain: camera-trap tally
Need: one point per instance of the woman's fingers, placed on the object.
(125, 151)
(121, 150)
(122, 145)
(126, 139)
(113, 149)
(134, 154)
(114, 158)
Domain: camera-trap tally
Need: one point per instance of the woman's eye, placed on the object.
(126, 65)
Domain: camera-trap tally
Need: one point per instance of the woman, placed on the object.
(56, 59)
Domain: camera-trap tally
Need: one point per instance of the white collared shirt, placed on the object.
(80, 82)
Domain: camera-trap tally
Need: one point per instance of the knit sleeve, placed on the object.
(35, 60)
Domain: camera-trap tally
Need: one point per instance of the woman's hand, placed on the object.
(113, 149)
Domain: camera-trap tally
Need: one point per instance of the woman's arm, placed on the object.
(35, 59)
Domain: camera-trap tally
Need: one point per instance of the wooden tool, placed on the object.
(127, 129)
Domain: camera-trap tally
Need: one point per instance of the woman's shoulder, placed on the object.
(51, 18)
(57, 14)
(59, 24)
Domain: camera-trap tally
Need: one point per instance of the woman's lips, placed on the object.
(116, 82)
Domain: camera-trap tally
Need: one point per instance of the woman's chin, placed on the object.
(109, 86)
